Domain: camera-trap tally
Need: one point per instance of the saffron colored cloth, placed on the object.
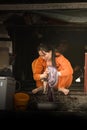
(62, 65)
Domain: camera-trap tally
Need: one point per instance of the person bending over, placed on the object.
(50, 55)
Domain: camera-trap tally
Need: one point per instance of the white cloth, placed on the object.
(52, 76)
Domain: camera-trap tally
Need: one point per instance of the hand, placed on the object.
(46, 71)
(59, 74)
(43, 76)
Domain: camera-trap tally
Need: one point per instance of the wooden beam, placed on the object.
(85, 74)
(79, 5)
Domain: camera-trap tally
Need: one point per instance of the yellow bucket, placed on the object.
(21, 101)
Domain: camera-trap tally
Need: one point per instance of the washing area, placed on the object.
(75, 101)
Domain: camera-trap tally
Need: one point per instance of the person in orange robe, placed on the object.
(48, 57)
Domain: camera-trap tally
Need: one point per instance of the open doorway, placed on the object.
(28, 28)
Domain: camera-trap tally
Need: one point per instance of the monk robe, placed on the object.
(63, 66)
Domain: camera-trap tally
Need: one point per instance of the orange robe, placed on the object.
(63, 66)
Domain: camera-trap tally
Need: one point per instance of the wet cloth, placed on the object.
(52, 79)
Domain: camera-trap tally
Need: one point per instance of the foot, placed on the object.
(64, 90)
(34, 91)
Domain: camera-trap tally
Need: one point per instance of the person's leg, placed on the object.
(64, 84)
(64, 90)
(34, 91)
(39, 87)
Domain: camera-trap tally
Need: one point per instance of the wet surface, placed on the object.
(74, 105)
(76, 101)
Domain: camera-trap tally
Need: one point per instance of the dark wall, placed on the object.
(25, 49)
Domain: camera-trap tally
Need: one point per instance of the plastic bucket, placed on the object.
(21, 101)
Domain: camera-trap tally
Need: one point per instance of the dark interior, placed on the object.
(25, 39)
(26, 31)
